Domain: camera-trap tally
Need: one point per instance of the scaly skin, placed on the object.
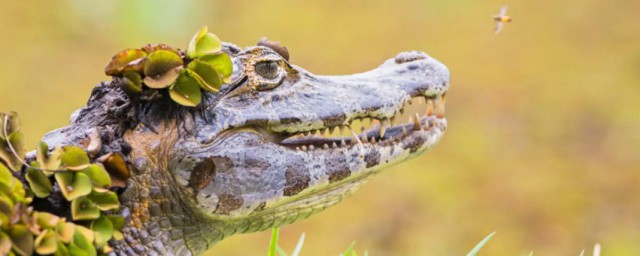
(244, 161)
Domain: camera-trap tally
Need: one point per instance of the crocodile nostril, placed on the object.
(404, 57)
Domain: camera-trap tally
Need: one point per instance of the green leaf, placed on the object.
(127, 60)
(274, 242)
(50, 162)
(479, 246)
(74, 158)
(118, 223)
(12, 123)
(105, 201)
(185, 91)
(349, 250)
(65, 231)
(46, 242)
(221, 62)
(131, 84)
(203, 43)
(17, 142)
(82, 242)
(62, 250)
(161, 69)
(39, 182)
(99, 177)
(115, 165)
(207, 78)
(5, 244)
(103, 229)
(73, 184)
(149, 48)
(22, 239)
(46, 220)
(6, 177)
(82, 208)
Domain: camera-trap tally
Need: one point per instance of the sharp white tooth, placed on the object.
(404, 131)
(429, 111)
(342, 143)
(325, 146)
(417, 124)
(441, 108)
(383, 127)
(311, 147)
(364, 136)
(334, 145)
(436, 103)
(304, 148)
(354, 140)
(373, 140)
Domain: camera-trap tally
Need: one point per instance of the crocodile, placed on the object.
(275, 145)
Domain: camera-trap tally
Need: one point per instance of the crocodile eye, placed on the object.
(267, 69)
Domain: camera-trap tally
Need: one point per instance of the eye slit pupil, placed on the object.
(267, 69)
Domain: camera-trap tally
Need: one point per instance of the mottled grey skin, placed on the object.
(232, 168)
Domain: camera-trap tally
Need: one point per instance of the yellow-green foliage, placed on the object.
(24, 231)
(202, 67)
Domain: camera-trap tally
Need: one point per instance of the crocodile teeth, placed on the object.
(334, 145)
(441, 108)
(355, 139)
(416, 123)
(429, 111)
(364, 136)
(325, 146)
(404, 131)
(342, 143)
(383, 127)
(304, 148)
(373, 140)
(311, 147)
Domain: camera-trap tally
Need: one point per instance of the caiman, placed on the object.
(273, 146)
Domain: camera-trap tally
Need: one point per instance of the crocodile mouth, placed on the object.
(368, 129)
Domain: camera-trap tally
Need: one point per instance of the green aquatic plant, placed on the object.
(185, 74)
(86, 185)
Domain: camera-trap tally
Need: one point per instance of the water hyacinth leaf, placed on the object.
(74, 158)
(103, 227)
(221, 62)
(46, 220)
(82, 242)
(12, 150)
(62, 250)
(6, 178)
(73, 184)
(6, 206)
(45, 160)
(22, 239)
(186, 91)
(46, 242)
(99, 177)
(9, 123)
(203, 43)
(118, 223)
(161, 69)
(65, 231)
(39, 182)
(129, 58)
(82, 208)
(105, 201)
(131, 83)
(207, 77)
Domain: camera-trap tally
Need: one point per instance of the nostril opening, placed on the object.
(405, 57)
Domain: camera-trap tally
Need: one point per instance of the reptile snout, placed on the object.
(404, 57)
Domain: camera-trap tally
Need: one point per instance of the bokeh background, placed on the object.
(544, 118)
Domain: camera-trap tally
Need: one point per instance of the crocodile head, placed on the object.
(274, 146)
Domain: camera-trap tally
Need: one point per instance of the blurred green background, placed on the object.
(544, 118)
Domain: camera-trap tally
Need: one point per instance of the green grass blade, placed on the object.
(348, 251)
(582, 252)
(280, 251)
(296, 251)
(479, 246)
(274, 242)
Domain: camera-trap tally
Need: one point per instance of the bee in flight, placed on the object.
(501, 19)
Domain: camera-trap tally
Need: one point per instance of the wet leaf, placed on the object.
(205, 75)
(39, 182)
(48, 161)
(62, 250)
(221, 62)
(6, 177)
(46, 220)
(74, 158)
(82, 208)
(65, 231)
(46, 242)
(161, 69)
(131, 84)
(203, 43)
(118, 223)
(7, 155)
(73, 184)
(22, 239)
(185, 91)
(100, 179)
(131, 59)
(104, 228)
(105, 201)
